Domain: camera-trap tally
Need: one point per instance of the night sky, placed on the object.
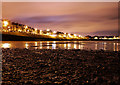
(85, 18)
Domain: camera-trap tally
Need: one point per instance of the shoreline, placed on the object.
(26, 37)
(58, 66)
(60, 49)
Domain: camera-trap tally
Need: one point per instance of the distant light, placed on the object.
(75, 35)
(54, 31)
(8, 26)
(47, 33)
(114, 37)
(33, 32)
(96, 38)
(19, 30)
(68, 34)
(40, 31)
(110, 38)
(5, 23)
(64, 35)
(9, 29)
(35, 29)
(26, 27)
(105, 38)
(80, 36)
(53, 35)
(6, 45)
(48, 29)
(60, 36)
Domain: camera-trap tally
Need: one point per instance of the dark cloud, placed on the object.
(43, 19)
(108, 32)
(68, 18)
(100, 33)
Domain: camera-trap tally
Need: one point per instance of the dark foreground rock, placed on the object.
(75, 67)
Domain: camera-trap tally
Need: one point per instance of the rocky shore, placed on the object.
(58, 66)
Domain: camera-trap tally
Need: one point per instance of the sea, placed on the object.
(83, 45)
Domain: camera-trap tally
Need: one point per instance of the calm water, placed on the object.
(94, 45)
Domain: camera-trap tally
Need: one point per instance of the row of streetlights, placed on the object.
(6, 24)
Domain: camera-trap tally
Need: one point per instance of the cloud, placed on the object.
(68, 17)
(100, 33)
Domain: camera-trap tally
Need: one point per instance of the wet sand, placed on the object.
(58, 66)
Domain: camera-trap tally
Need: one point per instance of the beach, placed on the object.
(59, 66)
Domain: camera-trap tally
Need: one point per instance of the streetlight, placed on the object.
(5, 23)
(40, 32)
(26, 27)
(75, 35)
(36, 30)
(54, 31)
(48, 29)
(80, 36)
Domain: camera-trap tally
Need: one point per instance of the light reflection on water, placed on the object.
(93, 45)
(114, 46)
(69, 45)
(40, 45)
(36, 45)
(53, 46)
(47, 45)
(6, 45)
(75, 46)
(65, 46)
(104, 45)
(117, 47)
(96, 46)
(26, 45)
